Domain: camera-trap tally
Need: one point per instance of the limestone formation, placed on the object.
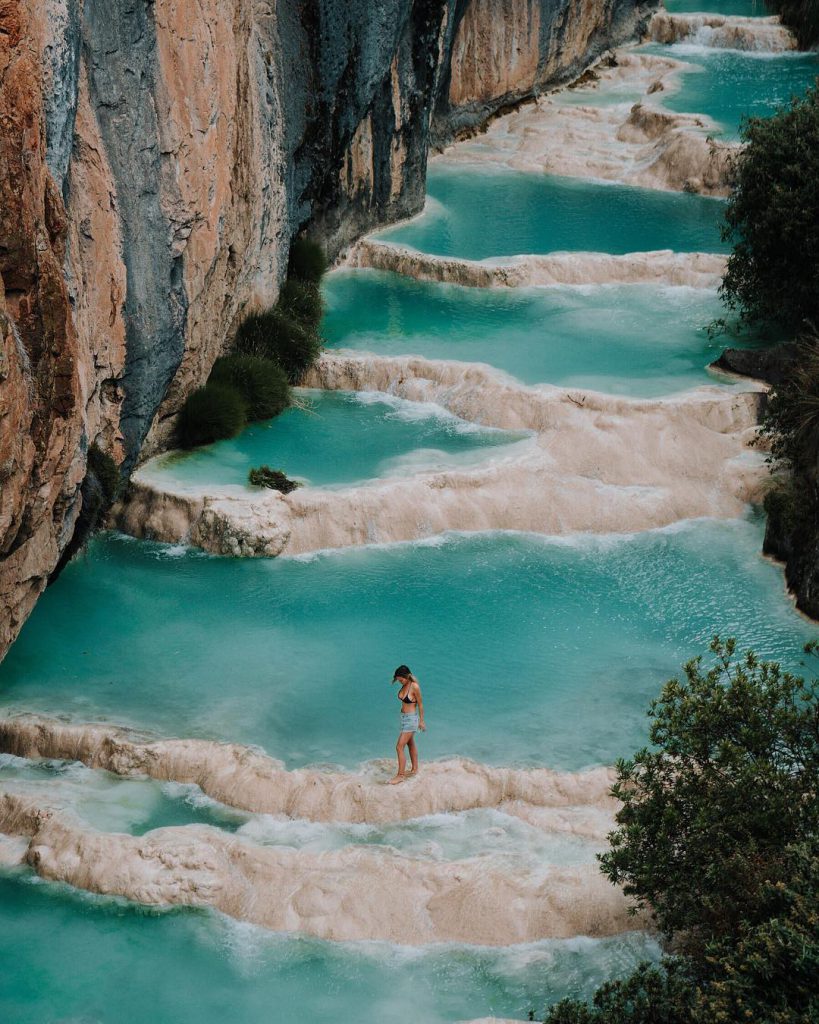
(638, 143)
(663, 267)
(252, 781)
(350, 894)
(722, 31)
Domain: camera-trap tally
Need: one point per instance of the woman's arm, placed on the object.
(420, 700)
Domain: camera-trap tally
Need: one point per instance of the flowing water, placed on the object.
(80, 958)
(636, 340)
(523, 213)
(335, 438)
(532, 650)
(561, 642)
(728, 85)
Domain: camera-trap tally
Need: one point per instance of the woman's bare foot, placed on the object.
(396, 780)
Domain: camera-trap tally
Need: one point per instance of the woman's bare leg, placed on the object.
(413, 753)
(402, 761)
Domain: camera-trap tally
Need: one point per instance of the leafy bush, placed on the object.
(276, 335)
(307, 261)
(730, 781)
(262, 384)
(264, 476)
(213, 412)
(772, 218)
(719, 836)
(302, 301)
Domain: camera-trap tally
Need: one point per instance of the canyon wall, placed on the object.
(156, 159)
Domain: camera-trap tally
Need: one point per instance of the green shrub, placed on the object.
(276, 335)
(262, 384)
(213, 412)
(772, 218)
(302, 301)
(274, 479)
(307, 261)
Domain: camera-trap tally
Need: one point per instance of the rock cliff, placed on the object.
(156, 159)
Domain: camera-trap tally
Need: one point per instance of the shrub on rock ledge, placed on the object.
(262, 384)
(277, 335)
(212, 413)
(302, 301)
(307, 261)
(274, 479)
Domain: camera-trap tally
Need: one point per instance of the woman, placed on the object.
(412, 718)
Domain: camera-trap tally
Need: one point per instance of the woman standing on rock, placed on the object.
(412, 718)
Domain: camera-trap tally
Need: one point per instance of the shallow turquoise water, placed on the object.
(507, 842)
(744, 8)
(731, 85)
(70, 957)
(481, 213)
(112, 803)
(634, 340)
(337, 438)
(560, 643)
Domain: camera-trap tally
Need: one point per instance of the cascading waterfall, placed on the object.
(520, 476)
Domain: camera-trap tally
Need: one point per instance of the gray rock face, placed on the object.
(61, 67)
(119, 49)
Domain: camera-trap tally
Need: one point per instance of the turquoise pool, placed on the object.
(728, 85)
(743, 8)
(492, 212)
(112, 803)
(336, 438)
(633, 340)
(561, 642)
(81, 958)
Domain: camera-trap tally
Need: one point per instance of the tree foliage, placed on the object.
(730, 781)
(772, 218)
(718, 837)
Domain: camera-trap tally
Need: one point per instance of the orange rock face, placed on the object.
(49, 372)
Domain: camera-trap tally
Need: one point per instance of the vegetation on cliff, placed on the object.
(718, 837)
(211, 413)
(273, 349)
(262, 384)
